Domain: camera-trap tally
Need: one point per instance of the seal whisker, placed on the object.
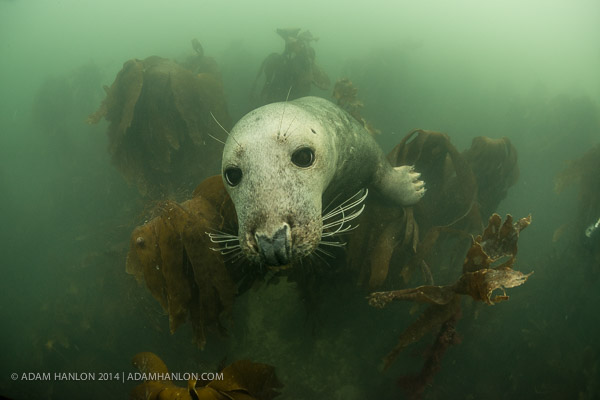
(319, 257)
(331, 202)
(235, 257)
(225, 130)
(331, 224)
(228, 252)
(288, 128)
(311, 259)
(228, 246)
(328, 254)
(345, 218)
(217, 139)
(220, 235)
(224, 240)
(219, 232)
(225, 248)
(341, 209)
(283, 113)
(221, 239)
(231, 251)
(345, 206)
(217, 238)
(341, 225)
(333, 244)
(338, 231)
(293, 130)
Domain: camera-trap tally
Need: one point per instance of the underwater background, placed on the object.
(528, 71)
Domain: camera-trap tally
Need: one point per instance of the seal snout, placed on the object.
(275, 249)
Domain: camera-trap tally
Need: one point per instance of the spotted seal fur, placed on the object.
(282, 162)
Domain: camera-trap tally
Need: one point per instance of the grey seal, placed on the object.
(283, 161)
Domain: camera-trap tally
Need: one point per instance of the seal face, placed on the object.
(282, 161)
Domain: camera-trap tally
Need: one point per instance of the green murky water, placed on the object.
(468, 68)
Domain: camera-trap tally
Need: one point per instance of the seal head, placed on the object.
(283, 160)
(275, 174)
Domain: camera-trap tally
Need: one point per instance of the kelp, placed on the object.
(199, 63)
(405, 237)
(480, 278)
(431, 319)
(451, 198)
(292, 73)
(414, 385)
(583, 172)
(242, 380)
(437, 229)
(172, 254)
(371, 247)
(160, 124)
(494, 163)
(585, 235)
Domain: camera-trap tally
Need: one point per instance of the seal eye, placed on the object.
(304, 157)
(233, 176)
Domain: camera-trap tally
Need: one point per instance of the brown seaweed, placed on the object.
(160, 124)
(479, 279)
(291, 74)
(494, 163)
(242, 380)
(380, 228)
(405, 237)
(438, 229)
(583, 172)
(172, 255)
(431, 319)
(199, 63)
(451, 198)
(414, 385)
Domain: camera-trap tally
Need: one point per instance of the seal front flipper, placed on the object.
(281, 160)
(401, 185)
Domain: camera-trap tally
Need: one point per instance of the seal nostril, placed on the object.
(275, 249)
